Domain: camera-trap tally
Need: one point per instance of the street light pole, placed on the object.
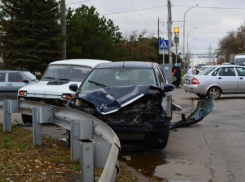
(184, 30)
(188, 44)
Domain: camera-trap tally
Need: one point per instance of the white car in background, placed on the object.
(53, 88)
(217, 80)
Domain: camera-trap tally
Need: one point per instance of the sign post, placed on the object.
(163, 45)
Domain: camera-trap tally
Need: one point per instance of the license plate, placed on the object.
(187, 81)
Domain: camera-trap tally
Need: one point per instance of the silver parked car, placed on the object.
(217, 80)
(12, 81)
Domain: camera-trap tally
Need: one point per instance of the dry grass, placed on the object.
(21, 161)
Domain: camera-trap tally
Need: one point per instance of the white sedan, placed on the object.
(217, 80)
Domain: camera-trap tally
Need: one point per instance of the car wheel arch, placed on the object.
(212, 87)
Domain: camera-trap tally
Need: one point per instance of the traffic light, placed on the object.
(176, 35)
(176, 30)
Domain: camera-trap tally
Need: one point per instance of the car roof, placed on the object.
(239, 56)
(226, 65)
(128, 64)
(82, 62)
(12, 71)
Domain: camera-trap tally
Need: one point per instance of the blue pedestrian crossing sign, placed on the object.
(163, 44)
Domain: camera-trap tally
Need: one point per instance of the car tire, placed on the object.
(26, 118)
(162, 143)
(201, 96)
(214, 92)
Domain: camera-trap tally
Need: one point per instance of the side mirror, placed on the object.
(73, 87)
(26, 81)
(168, 88)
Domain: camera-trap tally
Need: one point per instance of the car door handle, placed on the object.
(219, 78)
(9, 84)
(241, 78)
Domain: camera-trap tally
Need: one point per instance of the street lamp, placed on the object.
(184, 30)
(188, 44)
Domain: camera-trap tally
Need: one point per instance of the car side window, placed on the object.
(240, 71)
(15, 77)
(215, 72)
(2, 77)
(160, 78)
(227, 71)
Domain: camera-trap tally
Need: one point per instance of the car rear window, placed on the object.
(207, 71)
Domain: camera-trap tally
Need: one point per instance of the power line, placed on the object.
(145, 11)
(134, 10)
(78, 2)
(140, 16)
(208, 7)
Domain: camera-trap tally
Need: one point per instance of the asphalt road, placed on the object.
(210, 151)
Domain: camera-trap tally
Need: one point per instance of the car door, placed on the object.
(227, 80)
(14, 83)
(167, 99)
(3, 85)
(241, 79)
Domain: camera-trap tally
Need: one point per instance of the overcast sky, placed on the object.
(213, 19)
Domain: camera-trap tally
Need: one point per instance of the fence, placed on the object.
(92, 141)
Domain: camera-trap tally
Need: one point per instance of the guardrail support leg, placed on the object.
(80, 130)
(87, 161)
(75, 142)
(36, 126)
(6, 117)
(9, 106)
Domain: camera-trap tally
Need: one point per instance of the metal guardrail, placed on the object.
(92, 141)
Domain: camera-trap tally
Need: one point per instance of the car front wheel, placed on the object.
(214, 92)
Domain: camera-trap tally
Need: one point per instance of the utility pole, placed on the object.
(169, 32)
(63, 26)
(158, 29)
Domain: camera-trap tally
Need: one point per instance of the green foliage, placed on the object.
(89, 36)
(32, 34)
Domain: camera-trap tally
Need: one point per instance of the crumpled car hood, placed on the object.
(111, 99)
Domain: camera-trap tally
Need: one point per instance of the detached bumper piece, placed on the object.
(204, 107)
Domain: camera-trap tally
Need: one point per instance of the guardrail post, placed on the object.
(36, 126)
(80, 130)
(82, 133)
(87, 161)
(40, 115)
(9, 106)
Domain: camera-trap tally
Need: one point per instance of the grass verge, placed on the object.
(21, 161)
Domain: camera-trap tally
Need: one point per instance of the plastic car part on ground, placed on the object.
(204, 107)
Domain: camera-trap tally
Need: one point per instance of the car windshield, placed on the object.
(240, 61)
(207, 71)
(65, 73)
(100, 78)
(29, 75)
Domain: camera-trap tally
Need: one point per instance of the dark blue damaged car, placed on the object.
(133, 98)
